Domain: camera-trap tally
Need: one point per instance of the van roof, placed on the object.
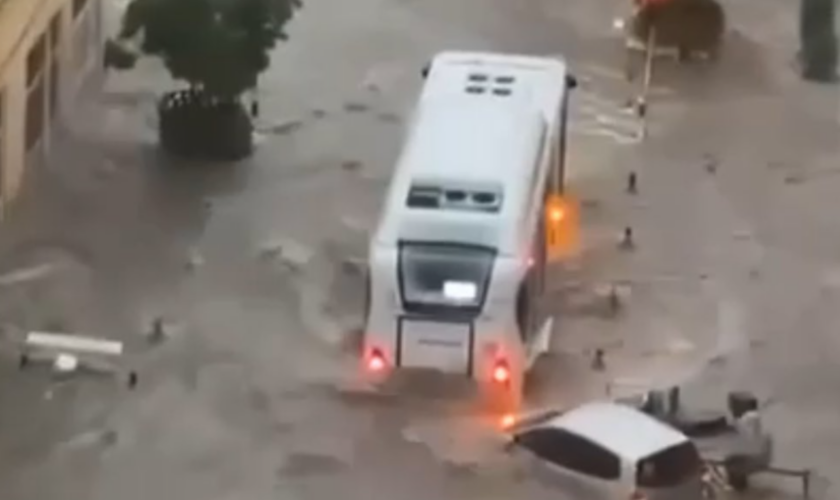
(479, 124)
(627, 432)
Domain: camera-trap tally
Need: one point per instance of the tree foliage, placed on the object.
(218, 46)
(691, 24)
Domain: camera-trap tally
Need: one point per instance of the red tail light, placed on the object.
(376, 361)
(638, 495)
(501, 372)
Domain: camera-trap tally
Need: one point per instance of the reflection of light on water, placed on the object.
(507, 421)
(458, 440)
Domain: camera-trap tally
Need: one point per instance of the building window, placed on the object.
(78, 7)
(55, 31)
(2, 143)
(35, 114)
(35, 60)
(55, 64)
(35, 92)
(55, 95)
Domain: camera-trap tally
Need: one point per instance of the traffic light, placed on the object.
(562, 226)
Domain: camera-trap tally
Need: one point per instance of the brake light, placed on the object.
(376, 361)
(501, 372)
(638, 495)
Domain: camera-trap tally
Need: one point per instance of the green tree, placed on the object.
(818, 40)
(219, 47)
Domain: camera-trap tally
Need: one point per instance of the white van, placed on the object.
(608, 451)
(457, 262)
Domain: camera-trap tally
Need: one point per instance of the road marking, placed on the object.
(593, 114)
(595, 73)
(619, 138)
(26, 275)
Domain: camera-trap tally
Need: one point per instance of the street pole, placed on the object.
(642, 104)
(818, 40)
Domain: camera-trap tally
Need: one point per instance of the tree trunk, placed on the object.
(818, 39)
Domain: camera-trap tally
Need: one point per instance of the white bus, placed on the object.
(457, 262)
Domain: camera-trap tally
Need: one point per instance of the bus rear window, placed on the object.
(670, 467)
(448, 276)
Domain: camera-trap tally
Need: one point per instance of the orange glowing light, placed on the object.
(501, 374)
(562, 220)
(507, 421)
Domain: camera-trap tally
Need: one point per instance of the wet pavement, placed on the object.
(732, 284)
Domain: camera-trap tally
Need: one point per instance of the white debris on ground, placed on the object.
(194, 260)
(288, 252)
(27, 274)
(65, 363)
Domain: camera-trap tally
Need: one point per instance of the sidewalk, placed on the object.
(735, 259)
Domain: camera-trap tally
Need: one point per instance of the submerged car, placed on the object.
(608, 451)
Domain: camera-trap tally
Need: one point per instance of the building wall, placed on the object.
(48, 48)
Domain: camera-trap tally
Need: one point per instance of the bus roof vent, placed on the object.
(428, 196)
(420, 196)
(497, 85)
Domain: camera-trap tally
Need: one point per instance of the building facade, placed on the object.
(49, 49)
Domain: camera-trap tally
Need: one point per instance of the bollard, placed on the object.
(627, 242)
(132, 379)
(641, 114)
(641, 108)
(674, 402)
(710, 163)
(614, 300)
(632, 183)
(598, 363)
(158, 332)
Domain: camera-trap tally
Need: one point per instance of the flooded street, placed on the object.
(255, 267)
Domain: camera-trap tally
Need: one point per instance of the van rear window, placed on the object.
(670, 467)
